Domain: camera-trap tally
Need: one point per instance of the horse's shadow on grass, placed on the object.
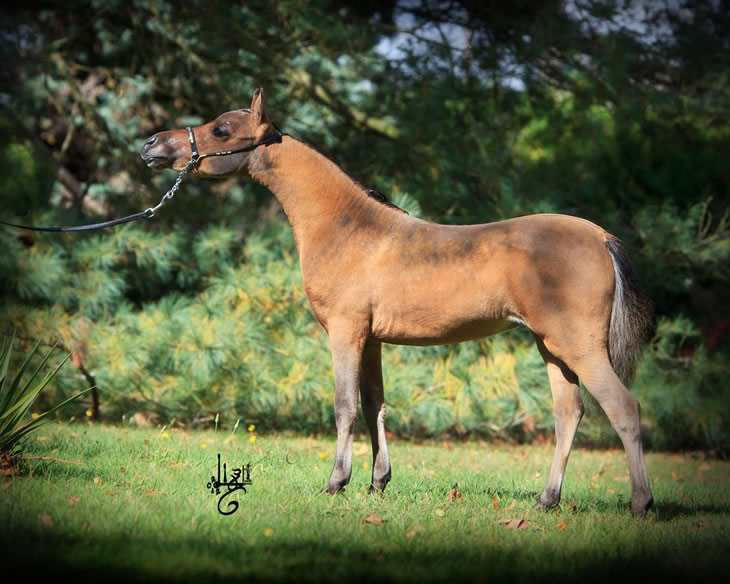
(661, 511)
(671, 510)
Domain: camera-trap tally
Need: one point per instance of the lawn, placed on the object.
(121, 503)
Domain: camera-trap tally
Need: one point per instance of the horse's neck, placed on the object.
(313, 190)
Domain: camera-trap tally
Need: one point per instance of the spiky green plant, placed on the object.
(17, 397)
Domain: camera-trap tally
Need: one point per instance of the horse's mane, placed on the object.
(377, 195)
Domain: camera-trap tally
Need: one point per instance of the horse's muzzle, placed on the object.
(154, 153)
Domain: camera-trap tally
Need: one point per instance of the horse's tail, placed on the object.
(632, 318)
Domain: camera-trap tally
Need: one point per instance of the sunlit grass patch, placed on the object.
(139, 506)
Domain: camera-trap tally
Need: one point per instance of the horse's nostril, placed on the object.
(151, 142)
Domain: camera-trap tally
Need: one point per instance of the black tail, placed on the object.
(632, 316)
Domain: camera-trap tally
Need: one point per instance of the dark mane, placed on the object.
(378, 196)
(370, 192)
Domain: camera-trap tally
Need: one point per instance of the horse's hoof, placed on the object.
(378, 486)
(333, 489)
(544, 506)
(639, 511)
(373, 490)
(547, 502)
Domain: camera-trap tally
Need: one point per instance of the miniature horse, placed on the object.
(375, 275)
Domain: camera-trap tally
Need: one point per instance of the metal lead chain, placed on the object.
(171, 193)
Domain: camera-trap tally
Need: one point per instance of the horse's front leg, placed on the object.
(346, 346)
(373, 409)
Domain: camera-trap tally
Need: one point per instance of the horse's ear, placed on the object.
(257, 106)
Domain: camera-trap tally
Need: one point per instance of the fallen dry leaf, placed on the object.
(98, 481)
(560, 525)
(439, 512)
(46, 520)
(375, 519)
(512, 504)
(411, 534)
(495, 503)
(520, 524)
(73, 500)
(455, 494)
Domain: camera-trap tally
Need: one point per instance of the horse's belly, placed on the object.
(422, 329)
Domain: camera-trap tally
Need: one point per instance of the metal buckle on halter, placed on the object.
(194, 154)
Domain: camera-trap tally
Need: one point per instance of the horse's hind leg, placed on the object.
(568, 411)
(623, 412)
(373, 409)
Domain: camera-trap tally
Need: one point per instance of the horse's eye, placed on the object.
(219, 132)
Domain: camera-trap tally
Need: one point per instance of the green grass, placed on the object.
(138, 510)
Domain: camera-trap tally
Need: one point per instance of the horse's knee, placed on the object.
(345, 414)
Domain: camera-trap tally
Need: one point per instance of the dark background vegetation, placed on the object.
(460, 112)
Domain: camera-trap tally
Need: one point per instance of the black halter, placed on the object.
(196, 156)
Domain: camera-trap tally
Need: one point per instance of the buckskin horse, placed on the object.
(373, 275)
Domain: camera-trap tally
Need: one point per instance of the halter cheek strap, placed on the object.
(196, 156)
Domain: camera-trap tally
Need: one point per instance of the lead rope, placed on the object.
(171, 193)
(146, 214)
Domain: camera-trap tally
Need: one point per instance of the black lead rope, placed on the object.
(142, 215)
(195, 157)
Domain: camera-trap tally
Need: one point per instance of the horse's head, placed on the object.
(224, 145)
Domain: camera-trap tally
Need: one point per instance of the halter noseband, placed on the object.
(196, 156)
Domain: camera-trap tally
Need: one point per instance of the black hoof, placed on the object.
(333, 489)
(639, 512)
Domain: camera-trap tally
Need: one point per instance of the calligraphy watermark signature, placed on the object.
(240, 477)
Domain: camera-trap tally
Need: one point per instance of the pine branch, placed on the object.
(99, 125)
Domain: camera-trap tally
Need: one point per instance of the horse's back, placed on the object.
(439, 283)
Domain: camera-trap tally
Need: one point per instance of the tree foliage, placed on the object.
(461, 111)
